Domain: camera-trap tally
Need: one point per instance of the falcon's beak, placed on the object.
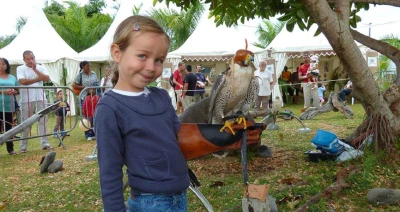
(248, 60)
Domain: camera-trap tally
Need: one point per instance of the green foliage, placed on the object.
(383, 76)
(6, 39)
(285, 87)
(178, 25)
(266, 32)
(333, 82)
(21, 21)
(55, 8)
(78, 29)
(294, 12)
(94, 7)
(136, 10)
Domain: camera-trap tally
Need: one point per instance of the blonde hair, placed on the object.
(132, 26)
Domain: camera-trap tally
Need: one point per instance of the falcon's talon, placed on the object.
(240, 120)
(227, 124)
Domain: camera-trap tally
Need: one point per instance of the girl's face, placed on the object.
(142, 62)
(60, 95)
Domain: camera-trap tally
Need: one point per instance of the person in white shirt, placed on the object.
(265, 82)
(106, 81)
(32, 99)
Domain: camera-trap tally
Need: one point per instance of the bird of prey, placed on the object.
(234, 90)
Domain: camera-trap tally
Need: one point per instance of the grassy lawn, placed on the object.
(76, 188)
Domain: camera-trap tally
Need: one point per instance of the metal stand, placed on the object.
(201, 197)
(61, 139)
(93, 156)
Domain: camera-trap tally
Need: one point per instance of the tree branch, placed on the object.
(337, 31)
(334, 188)
(384, 48)
(394, 3)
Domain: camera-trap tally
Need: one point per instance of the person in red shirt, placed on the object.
(307, 91)
(89, 107)
(178, 80)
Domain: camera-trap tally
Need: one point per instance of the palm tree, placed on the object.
(266, 32)
(384, 77)
(384, 61)
(77, 29)
(178, 25)
(136, 10)
(21, 21)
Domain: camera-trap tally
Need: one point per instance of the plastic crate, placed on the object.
(315, 155)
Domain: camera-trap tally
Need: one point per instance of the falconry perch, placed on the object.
(234, 90)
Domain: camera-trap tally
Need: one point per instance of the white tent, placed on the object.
(295, 44)
(40, 37)
(211, 43)
(100, 52)
(49, 48)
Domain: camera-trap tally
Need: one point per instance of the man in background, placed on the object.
(33, 100)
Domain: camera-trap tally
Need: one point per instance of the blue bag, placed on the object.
(327, 141)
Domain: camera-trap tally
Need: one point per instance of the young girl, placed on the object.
(313, 79)
(89, 107)
(60, 114)
(137, 126)
(321, 89)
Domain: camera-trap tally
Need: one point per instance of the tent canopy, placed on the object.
(101, 50)
(208, 42)
(40, 37)
(297, 42)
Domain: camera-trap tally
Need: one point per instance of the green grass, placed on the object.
(76, 188)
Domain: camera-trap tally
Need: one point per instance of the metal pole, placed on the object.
(369, 31)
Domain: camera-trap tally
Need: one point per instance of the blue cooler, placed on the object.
(327, 141)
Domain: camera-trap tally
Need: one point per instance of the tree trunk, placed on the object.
(334, 24)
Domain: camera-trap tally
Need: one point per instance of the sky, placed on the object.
(384, 19)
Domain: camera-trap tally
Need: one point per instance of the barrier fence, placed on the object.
(35, 99)
(36, 112)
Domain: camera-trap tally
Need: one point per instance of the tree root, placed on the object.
(332, 104)
(334, 188)
(379, 126)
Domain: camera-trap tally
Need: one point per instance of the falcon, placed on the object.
(235, 90)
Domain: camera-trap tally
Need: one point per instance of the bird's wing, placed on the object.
(217, 86)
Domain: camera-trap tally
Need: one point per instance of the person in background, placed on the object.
(321, 90)
(314, 72)
(178, 80)
(188, 87)
(7, 96)
(89, 107)
(33, 100)
(295, 82)
(286, 78)
(200, 91)
(60, 115)
(136, 126)
(265, 82)
(307, 91)
(348, 88)
(106, 80)
(85, 78)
